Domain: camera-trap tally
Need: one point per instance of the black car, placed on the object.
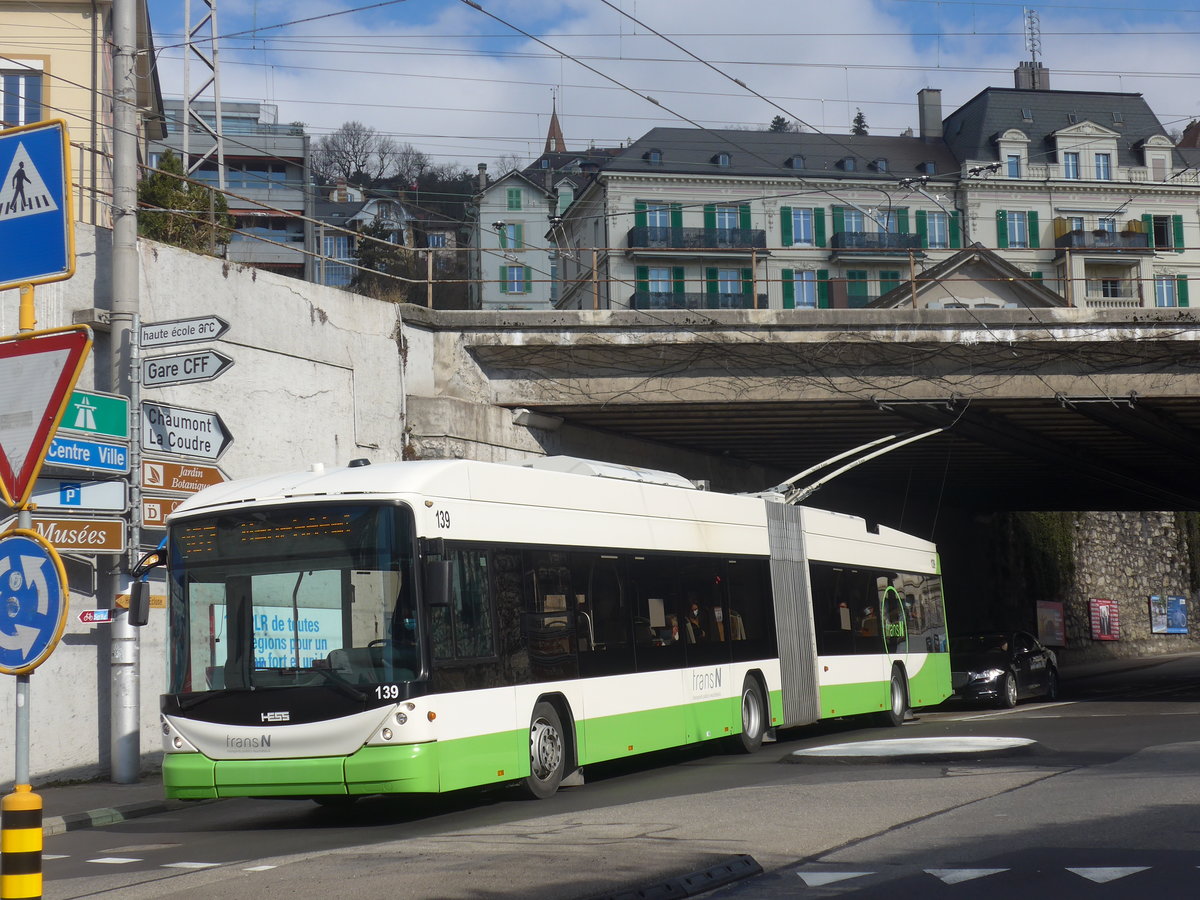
(1001, 667)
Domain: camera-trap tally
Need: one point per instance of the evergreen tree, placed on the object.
(779, 124)
(193, 216)
(860, 124)
(378, 259)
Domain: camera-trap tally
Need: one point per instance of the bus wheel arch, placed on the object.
(898, 697)
(551, 746)
(755, 708)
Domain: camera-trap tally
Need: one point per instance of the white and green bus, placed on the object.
(433, 625)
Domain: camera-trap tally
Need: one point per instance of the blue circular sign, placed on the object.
(33, 601)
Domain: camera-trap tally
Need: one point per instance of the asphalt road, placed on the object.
(1104, 807)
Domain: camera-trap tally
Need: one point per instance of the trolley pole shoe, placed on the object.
(21, 845)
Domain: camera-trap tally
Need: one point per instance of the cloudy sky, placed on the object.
(467, 84)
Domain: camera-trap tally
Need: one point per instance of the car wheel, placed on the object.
(1051, 683)
(1008, 691)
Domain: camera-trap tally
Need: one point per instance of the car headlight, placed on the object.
(986, 675)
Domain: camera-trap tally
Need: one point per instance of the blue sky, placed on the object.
(466, 88)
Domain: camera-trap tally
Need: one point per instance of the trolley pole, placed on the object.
(124, 674)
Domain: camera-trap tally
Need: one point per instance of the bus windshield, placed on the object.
(294, 596)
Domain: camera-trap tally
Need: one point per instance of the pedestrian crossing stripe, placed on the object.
(820, 879)
(958, 876)
(1106, 874)
(23, 191)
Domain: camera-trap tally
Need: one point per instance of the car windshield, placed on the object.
(294, 596)
(980, 643)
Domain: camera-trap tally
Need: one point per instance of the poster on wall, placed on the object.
(1168, 615)
(1050, 623)
(1106, 620)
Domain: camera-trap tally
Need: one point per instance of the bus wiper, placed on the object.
(340, 683)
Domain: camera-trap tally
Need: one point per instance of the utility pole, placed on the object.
(125, 739)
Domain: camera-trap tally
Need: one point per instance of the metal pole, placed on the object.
(125, 742)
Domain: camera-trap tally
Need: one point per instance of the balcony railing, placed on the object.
(654, 237)
(875, 241)
(655, 300)
(1102, 240)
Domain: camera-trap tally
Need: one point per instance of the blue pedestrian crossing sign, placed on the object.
(33, 600)
(37, 229)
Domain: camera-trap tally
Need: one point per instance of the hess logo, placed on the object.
(276, 716)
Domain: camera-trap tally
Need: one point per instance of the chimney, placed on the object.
(340, 194)
(929, 110)
(1031, 76)
(483, 179)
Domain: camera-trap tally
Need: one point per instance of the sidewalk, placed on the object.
(74, 806)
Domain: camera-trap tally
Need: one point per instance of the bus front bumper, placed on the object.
(407, 768)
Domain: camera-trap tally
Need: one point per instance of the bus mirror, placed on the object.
(438, 573)
(139, 603)
(151, 560)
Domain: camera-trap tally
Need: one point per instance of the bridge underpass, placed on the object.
(1043, 409)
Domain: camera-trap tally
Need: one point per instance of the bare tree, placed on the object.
(507, 162)
(356, 152)
(411, 164)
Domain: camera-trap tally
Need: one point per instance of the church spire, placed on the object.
(554, 135)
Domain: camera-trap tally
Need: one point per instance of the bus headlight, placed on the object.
(401, 718)
(387, 734)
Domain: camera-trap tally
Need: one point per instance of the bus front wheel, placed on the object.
(897, 700)
(547, 752)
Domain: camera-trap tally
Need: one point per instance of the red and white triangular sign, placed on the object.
(38, 371)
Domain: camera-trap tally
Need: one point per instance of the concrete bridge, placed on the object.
(1043, 408)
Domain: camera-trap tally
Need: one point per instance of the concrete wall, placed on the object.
(317, 377)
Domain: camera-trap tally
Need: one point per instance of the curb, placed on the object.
(109, 815)
(919, 750)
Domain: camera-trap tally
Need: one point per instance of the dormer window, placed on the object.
(1027, 115)
(928, 167)
(795, 162)
(879, 165)
(653, 156)
(849, 164)
(721, 159)
(545, 163)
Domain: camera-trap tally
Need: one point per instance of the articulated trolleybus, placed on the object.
(432, 625)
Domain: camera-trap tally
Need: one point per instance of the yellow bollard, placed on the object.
(21, 845)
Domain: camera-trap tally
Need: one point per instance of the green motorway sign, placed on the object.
(92, 412)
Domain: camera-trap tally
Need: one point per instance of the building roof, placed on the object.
(978, 263)
(971, 130)
(693, 151)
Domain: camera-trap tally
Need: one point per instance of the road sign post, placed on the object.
(184, 368)
(186, 432)
(181, 331)
(36, 224)
(98, 414)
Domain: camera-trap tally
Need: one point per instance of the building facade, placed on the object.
(267, 181)
(56, 63)
(1081, 194)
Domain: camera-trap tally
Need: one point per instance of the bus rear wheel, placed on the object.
(754, 718)
(547, 752)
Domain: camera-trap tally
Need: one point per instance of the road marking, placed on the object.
(258, 868)
(114, 860)
(1105, 875)
(957, 876)
(819, 879)
(189, 865)
(1014, 711)
(56, 856)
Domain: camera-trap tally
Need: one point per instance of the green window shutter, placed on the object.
(641, 280)
(923, 227)
(1035, 240)
(822, 288)
(503, 233)
(528, 280)
(514, 198)
(785, 225)
(955, 232)
(902, 221)
(639, 213)
(710, 281)
(819, 227)
(1148, 227)
(1002, 229)
(1177, 229)
(747, 282)
(676, 215)
(504, 279)
(710, 216)
(839, 220)
(888, 280)
(788, 276)
(518, 236)
(1036, 276)
(1181, 290)
(744, 217)
(679, 283)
